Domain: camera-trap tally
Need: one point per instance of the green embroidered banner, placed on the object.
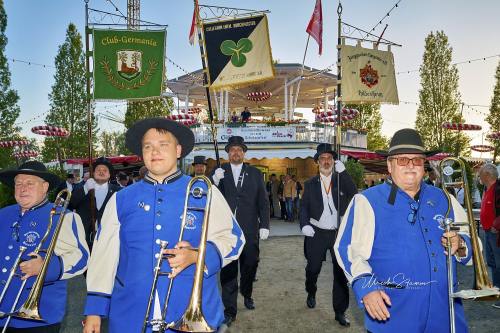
(128, 64)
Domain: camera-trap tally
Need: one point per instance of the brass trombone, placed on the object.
(30, 308)
(192, 319)
(483, 287)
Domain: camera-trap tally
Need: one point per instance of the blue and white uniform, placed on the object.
(396, 247)
(69, 259)
(126, 247)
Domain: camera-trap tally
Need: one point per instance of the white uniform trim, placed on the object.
(67, 245)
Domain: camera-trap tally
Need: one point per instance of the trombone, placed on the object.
(30, 308)
(192, 319)
(483, 287)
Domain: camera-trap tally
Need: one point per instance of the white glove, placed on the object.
(339, 166)
(308, 231)
(89, 185)
(218, 175)
(264, 233)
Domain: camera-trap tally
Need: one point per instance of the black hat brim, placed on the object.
(334, 154)
(385, 153)
(106, 163)
(7, 177)
(242, 145)
(184, 136)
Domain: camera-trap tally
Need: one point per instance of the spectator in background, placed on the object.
(245, 115)
(142, 172)
(431, 176)
(122, 179)
(68, 184)
(234, 117)
(290, 191)
(296, 202)
(199, 165)
(86, 176)
(269, 190)
(281, 188)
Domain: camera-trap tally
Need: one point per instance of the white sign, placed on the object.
(258, 134)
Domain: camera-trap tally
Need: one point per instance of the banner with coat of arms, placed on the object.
(238, 52)
(368, 76)
(128, 64)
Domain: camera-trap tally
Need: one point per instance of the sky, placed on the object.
(36, 28)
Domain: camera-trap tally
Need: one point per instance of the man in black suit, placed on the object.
(318, 222)
(68, 184)
(101, 192)
(243, 187)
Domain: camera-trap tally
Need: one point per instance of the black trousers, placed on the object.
(54, 328)
(248, 262)
(315, 249)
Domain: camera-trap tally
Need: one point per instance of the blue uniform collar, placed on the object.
(170, 179)
(394, 190)
(39, 205)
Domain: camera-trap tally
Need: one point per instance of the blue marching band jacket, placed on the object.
(126, 249)
(69, 259)
(395, 246)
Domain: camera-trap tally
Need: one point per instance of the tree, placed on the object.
(494, 117)
(439, 97)
(68, 106)
(146, 109)
(112, 144)
(369, 120)
(9, 110)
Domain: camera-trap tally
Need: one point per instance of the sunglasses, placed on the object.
(412, 217)
(404, 161)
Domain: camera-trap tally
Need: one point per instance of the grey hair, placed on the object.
(489, 169)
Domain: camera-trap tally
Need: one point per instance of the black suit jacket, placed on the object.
(251, 203)
(80, 202)
(312, 200)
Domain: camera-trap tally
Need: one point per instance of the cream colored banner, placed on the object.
(368, 76)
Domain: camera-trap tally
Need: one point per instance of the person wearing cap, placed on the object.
(391, 246)
(24, 225)
(136, 221)
(199, 165)
(122, 180)
(68, 184)
(243, 187)
(97, 189)
(319, 207)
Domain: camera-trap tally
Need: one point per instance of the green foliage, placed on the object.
(160, 107)
(68, 104)
(439, 98)
(356, 170)
(6, 196)
(112, 144)
(494, 117)
(9, 110)
(369, 121)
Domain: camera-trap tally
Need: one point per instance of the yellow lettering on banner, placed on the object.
(109, 40)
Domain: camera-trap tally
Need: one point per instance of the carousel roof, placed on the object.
(311, 92)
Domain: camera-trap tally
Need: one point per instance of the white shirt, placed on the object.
(100, 194)
(328, 219)
(69, 186)
(236, 169)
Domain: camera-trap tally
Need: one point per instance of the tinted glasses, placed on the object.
(412, 217)
(403, 161)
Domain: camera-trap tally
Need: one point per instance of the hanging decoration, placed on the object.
(493, 136)
(259, 96)
(191, 110)
(48, 130)
(14, 143)
(185, 119)
(482, 148)
(461, 126)
(25, 154)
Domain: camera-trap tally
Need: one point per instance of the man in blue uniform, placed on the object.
(23, 225)
(134, 223)
(391, 246)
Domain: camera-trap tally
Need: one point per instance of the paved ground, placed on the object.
(280, 297)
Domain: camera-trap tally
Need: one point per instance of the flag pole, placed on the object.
(301, 74)
(206, 83)
(338, 123)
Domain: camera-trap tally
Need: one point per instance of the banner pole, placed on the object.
(204, 63)
(301, 74)
(339, 101)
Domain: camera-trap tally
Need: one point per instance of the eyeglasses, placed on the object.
(403, 161)
(15, 231)
(412, 217)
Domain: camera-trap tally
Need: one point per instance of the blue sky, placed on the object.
(36, 28)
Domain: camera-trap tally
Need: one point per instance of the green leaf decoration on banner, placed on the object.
(237, 51)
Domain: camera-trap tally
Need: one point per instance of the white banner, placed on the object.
(368, 76)
(258, 134)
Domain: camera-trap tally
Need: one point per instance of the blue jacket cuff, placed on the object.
(362, 286)
(97, 305)
(213, 259)
(55, 269)
(468, 251)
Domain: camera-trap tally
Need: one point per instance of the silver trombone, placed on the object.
(193, 319)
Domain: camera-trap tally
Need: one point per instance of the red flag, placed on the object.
(192, 31)
(315, 26)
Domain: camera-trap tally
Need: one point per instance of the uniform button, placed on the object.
(430, 241)
(157, 255)
(158, 241)
(160, 190)
(158, 213)
(7, 258)
(158, 227)
(433, 254)
(426, 230)
(160, 200)
(4, 270)
(10, 247)
(435, 269)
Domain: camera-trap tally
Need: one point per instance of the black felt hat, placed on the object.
(133, 137)
(33, 168)
(199, 160)
(324, 148)
(407, 141)
(236, 141)
(103, 161)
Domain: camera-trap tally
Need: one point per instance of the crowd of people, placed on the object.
(388, 243)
